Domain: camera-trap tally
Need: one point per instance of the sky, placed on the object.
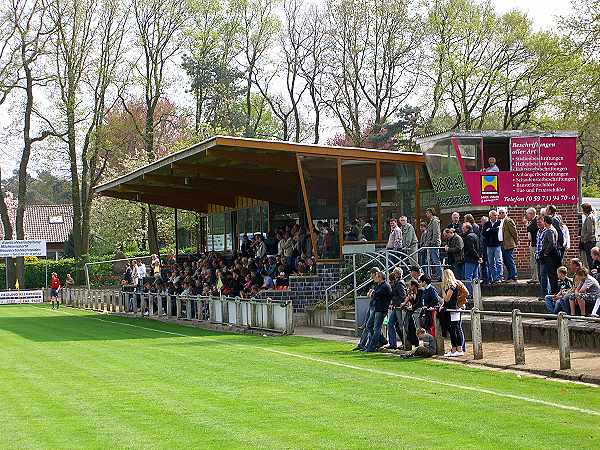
(542, 12)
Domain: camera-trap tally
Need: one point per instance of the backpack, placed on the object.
(463, 293)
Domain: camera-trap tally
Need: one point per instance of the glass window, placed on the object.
(470, 152)
(227, 230)
(359, 200)
(320, 179)
(398, 195)
(217, 232)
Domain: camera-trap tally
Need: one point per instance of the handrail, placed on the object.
(526, 315)
(399, 259)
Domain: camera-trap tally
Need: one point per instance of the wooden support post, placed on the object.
(477, 299)
(270, 315)
(439, 339)
(564, 344)
(518, 338)
(178, 305)
(476, 333)
(188, 309)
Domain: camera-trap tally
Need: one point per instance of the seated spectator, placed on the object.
(282, 281)
(587, 288)
(558, 302)
(426, 348)
(267, 281)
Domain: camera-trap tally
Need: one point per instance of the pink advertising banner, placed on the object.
(543, 170)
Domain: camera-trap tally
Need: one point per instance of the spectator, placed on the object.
(54, 290)
(485, 273)
(472, 256)
(494, 253)
(509, 238)
(368, 324)
(433, 239)
(127, 277)
(282, 281)
(271, 244)
(410, 244)
(260, 249)
(141, 270)
(531, 221)
(367, 231)
(245, 246)
(415, 272)
(455, 223)
(135, 276)
(426, 348)
(354, 232)
(451, 288)
(587, 239)
(398, 299)
(425, 303)
(556, 223)
(381, 295)
(69, 281)
(395, 238)
(595, 266)
(470, 219)
(587, 288)
(155, 265)
(548, 256)
(455, 251)
(558, 302)
(566, 236)
(492, 167)
(422, 253)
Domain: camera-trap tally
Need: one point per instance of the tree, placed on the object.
(159, 24)
(373, 53)
(87, 45)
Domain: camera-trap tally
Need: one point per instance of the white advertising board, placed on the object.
(16, 248)
(16, 297)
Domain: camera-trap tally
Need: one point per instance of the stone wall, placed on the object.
(305, 291)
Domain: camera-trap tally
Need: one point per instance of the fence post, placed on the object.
(518, 339)
(178, 305)
(439, 339)
(169, 306)
(159, 305)
(270, 315)
(476, 333)
(188, 309)
(564, 345)
(238, 313)
(477, 299)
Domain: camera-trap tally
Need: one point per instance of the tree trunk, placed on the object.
(8, 235)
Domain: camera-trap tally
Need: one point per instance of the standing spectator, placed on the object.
(492, 167)
(141, 270)
(556, 223)
(485, 273)
(155, 265)
(450, 290)
(368, 323)
(410, 244)
(425, 303)
(367, 230)
(470, 219)
(531, 221)
(395, 238)
(455, 223)
(69, 281)
(472, 256)
(271, 244)
(245, 246)
(549, 257)
(354, 233)
(423, 235)
(494, 252)
(587, 287)
(566, 236)
(587, 239)
(54, 289)
(397, 300)
(381, 295)
(433, 238)
(455, 251)
(509, 238)
(260, 249)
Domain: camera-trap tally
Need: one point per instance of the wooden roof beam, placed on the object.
(281, 162)
(184, 194)
(158, 200)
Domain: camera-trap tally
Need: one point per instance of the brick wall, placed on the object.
(305, 291)
(570, 216)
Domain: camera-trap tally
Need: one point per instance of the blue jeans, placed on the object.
(494, 260)
(394, 327)
(433, 263)
(471, 273)
(561, 304)
(375, 340)
(366, 333)
(509, 260)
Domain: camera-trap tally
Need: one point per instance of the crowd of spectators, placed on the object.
(261, 263)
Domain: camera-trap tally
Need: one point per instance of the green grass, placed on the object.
(69, 380)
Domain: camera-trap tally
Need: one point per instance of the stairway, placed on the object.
(343, 324)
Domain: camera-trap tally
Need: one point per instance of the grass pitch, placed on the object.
(75, 379)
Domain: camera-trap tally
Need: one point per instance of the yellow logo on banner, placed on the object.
(489, 184)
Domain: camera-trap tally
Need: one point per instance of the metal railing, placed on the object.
(259, 314)
(386, 259)
(563, 322)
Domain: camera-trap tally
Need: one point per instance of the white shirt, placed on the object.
(141, 269)
(493, 168)
(566, 236)
(500, 231)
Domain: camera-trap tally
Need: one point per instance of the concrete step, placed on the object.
(582, 335)
(344, 323)
(340, 331)
(350, 314)
(518, 289)
(508, 303)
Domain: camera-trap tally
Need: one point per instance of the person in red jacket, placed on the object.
(54, 288)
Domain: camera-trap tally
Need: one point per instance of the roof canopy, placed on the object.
(222, 170)
(507, 134)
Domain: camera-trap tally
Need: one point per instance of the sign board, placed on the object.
(17, 297)
(543, 170)
(17, 248)
(349, 249)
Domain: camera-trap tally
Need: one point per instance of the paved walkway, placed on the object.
(540, 360)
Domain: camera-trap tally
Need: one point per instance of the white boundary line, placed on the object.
(366, 369)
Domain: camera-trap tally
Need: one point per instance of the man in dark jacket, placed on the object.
(455, 251)
(381, 296)
(494, 251)
(398, 298)
(548, 256)
(428, 299)
(472, 256)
